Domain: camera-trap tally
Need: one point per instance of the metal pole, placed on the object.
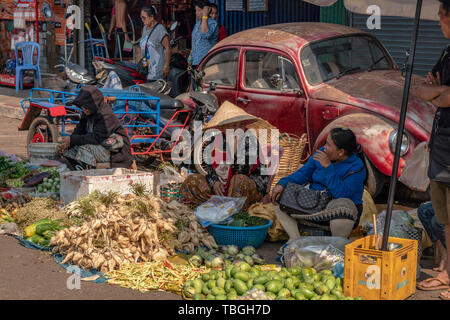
(401, 127)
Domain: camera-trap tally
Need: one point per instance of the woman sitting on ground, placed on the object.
(227, 176)
(98, 137)
(338, 169)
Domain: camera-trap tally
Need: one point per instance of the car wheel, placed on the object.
(375, 179)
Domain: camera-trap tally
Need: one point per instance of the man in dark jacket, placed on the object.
(99, 137)
(437, 90)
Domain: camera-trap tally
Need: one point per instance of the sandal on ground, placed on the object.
(443, 297)
(440, 287)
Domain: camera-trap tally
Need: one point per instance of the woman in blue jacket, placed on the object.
(337, 168)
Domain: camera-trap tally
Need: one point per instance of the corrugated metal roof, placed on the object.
(280, 11)
(396, 33)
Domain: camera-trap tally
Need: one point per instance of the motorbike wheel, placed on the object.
(42, 130)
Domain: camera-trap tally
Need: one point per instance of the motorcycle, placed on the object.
(175, 115)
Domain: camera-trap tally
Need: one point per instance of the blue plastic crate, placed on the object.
(239, 236)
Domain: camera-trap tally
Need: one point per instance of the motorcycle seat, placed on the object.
(165, 102)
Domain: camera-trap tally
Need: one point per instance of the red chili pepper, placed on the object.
(168, 265)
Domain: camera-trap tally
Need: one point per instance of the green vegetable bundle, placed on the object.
(243, 219)
(43, 232)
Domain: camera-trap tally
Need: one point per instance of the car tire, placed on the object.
(375, 179)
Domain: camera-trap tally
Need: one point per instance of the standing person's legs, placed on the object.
(120, 38)
(446, 294)
(441, 248)
(440, 198)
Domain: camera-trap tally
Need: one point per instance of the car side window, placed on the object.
(221, 68)
(269, 70)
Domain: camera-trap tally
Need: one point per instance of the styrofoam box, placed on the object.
(75, 184)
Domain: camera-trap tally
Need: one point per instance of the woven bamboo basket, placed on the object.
(293, 148)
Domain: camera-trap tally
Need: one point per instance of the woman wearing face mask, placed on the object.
(339, 170)
(155, 46)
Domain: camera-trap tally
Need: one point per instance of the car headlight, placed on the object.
(393, 141)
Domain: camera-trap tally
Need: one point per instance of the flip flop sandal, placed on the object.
(444, 298)
(442, 286)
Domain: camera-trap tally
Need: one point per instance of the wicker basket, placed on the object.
(293, 148)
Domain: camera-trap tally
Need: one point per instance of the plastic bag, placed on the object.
(401, 224)
(328, 258)
(169, 176)
(415, 172)
(314, 252)
(218, 209)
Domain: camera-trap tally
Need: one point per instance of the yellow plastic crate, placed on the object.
(380, 275)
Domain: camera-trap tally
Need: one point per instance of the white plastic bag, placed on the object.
(169, 176)
(218, 209)
(415, 172)
(314, 252)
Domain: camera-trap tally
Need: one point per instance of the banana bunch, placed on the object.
(5, 217)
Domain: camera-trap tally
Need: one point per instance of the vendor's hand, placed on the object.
(276, 193)
(322, 158)
(166, 71)
(65, 144)
(219, 188)
(206, 11)
(433, 81)
(109, 36)
(127, 38)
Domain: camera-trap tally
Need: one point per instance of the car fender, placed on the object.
(372, 133)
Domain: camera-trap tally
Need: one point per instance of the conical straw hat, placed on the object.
(229, 113)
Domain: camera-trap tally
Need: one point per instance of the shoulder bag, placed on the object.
(297, 199)
(142, 66)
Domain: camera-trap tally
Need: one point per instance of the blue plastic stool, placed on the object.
(27, 49)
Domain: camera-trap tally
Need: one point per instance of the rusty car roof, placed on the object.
(292, 35)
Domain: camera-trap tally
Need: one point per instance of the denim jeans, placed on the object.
(428, 218)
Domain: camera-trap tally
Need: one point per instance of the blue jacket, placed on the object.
(321, 178)
(203, 42)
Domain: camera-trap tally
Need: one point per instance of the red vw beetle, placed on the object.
(312, 77)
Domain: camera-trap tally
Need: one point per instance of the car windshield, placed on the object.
(333, 58)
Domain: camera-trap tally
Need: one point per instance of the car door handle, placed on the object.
(243, 100)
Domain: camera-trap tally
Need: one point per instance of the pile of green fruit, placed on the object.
(293, 283)
(43, 230)
(225, 256)
(51, 184)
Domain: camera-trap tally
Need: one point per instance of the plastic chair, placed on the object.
(27, 49)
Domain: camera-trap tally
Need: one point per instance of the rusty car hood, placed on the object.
(379, 91)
